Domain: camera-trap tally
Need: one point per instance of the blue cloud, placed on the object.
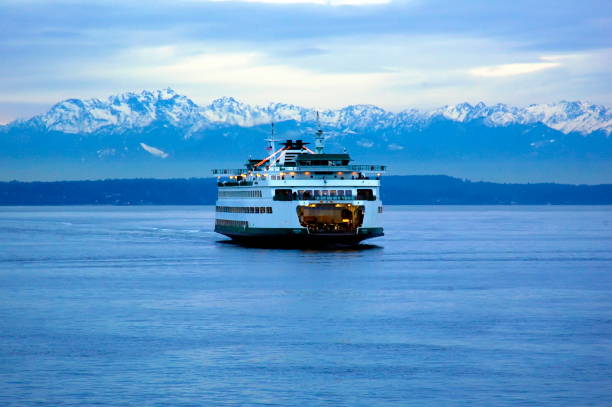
(43, 44)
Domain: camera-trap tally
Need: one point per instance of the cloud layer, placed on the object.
(322, 53)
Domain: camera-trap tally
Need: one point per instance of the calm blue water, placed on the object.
(142, 306)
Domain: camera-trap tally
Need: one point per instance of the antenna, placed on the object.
(319, 138)
(271, 140)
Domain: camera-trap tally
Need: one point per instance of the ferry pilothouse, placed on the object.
(299, 195)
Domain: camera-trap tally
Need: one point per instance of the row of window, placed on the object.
(244, 209)
(323, 195)
(282, 177)
(232, 223)
(324, 192)
(362, 194)
(252, 193)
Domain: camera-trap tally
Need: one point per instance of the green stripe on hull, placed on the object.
(226, 230)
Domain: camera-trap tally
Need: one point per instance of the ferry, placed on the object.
(299, 196)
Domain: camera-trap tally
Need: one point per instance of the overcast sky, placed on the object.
(317, 53)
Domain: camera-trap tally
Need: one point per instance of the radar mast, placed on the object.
(271, 140)
(319, 138)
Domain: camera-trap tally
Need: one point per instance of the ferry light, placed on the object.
(292, 173)
(307, 173)
(340, 173)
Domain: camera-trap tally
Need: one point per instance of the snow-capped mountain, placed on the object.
(567, 117)
(165, 134)
(165, 107)
(126, 111)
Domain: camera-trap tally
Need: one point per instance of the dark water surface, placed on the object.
(142, 306)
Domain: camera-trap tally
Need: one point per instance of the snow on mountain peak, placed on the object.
(230, 111)
(578, 116)
(567, 117)
(127, 110)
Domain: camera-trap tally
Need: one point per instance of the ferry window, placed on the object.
(269, 209)
(332, 192)
(283, 195)
(340, 192)
(348, 192)
(325, 192)
(365, 194)
(317, 192)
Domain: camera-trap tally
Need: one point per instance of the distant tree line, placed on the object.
(444, 190)
(397, 190)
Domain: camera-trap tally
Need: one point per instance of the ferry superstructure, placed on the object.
(299, 195)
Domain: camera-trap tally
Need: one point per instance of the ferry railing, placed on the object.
(332, 168)
(365, 167)
(235, 184)
(231, 171)
(324, 168)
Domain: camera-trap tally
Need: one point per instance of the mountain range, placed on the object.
(162, 133)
